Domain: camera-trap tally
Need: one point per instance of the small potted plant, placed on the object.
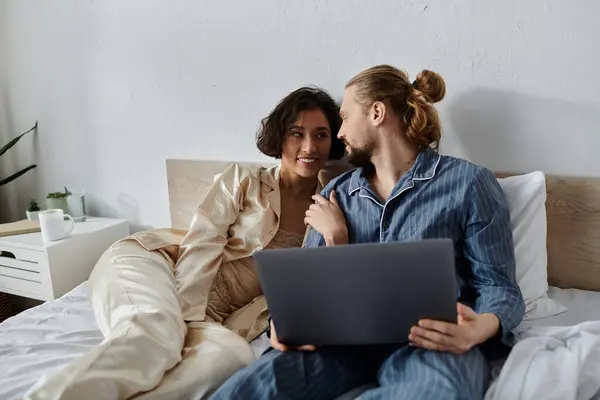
(32, 210)
(57, 200)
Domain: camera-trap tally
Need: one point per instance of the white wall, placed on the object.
(119, 86)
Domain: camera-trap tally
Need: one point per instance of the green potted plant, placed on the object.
(5, 148)
(57, 200)
(33, 209)
(6, 308)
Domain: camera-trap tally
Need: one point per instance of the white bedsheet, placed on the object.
(44, 338)
(549, 347)
(581, 306)
(552, 363)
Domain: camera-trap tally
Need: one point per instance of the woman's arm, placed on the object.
(327, 221)
(201, 250)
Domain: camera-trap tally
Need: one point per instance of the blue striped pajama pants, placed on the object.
(402, 373)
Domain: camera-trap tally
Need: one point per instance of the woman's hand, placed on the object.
(282, 347)
(327, 218)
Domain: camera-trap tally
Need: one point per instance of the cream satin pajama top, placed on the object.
(214, 273)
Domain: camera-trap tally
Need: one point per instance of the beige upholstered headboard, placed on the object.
(573, 212)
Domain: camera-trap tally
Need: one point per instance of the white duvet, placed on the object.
(552, 363)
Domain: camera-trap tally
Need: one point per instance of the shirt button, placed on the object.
(386, 224)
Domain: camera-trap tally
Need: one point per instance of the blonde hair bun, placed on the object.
(431, 86)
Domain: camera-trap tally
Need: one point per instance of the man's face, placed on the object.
(356, 130)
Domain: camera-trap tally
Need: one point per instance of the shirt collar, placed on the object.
(424, 168)
(270, 176)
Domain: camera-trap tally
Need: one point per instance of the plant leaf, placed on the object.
(15, 140)
(16, 175)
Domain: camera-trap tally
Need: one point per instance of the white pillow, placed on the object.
(526, 196)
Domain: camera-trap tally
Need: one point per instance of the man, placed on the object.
(404, 190)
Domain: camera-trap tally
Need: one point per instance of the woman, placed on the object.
(155, 293)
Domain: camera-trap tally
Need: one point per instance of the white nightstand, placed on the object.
(45, 271)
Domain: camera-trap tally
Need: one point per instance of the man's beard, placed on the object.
(359, 157)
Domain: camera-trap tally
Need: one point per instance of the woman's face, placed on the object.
(306, 144)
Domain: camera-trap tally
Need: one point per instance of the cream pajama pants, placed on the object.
(133, 293)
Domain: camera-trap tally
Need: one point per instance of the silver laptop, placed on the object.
(359, 294)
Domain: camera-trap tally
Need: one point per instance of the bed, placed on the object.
(43, 338)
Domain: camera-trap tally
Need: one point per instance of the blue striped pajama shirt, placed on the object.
(440, 197)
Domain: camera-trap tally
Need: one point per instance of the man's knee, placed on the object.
(407, 368)
(432, 359)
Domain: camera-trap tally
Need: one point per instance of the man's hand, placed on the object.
(327, 218)
(472, 329)
(282, 347)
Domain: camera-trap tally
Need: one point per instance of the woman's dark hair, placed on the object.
(274, 127)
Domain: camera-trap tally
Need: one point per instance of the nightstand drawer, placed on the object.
(25, 259)
(20, 273)
(24, 271)
(11, 284)
(23, 265)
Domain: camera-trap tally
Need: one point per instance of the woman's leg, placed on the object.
(211, 355)
(133, 293)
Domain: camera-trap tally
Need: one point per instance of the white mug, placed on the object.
(52, 223)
